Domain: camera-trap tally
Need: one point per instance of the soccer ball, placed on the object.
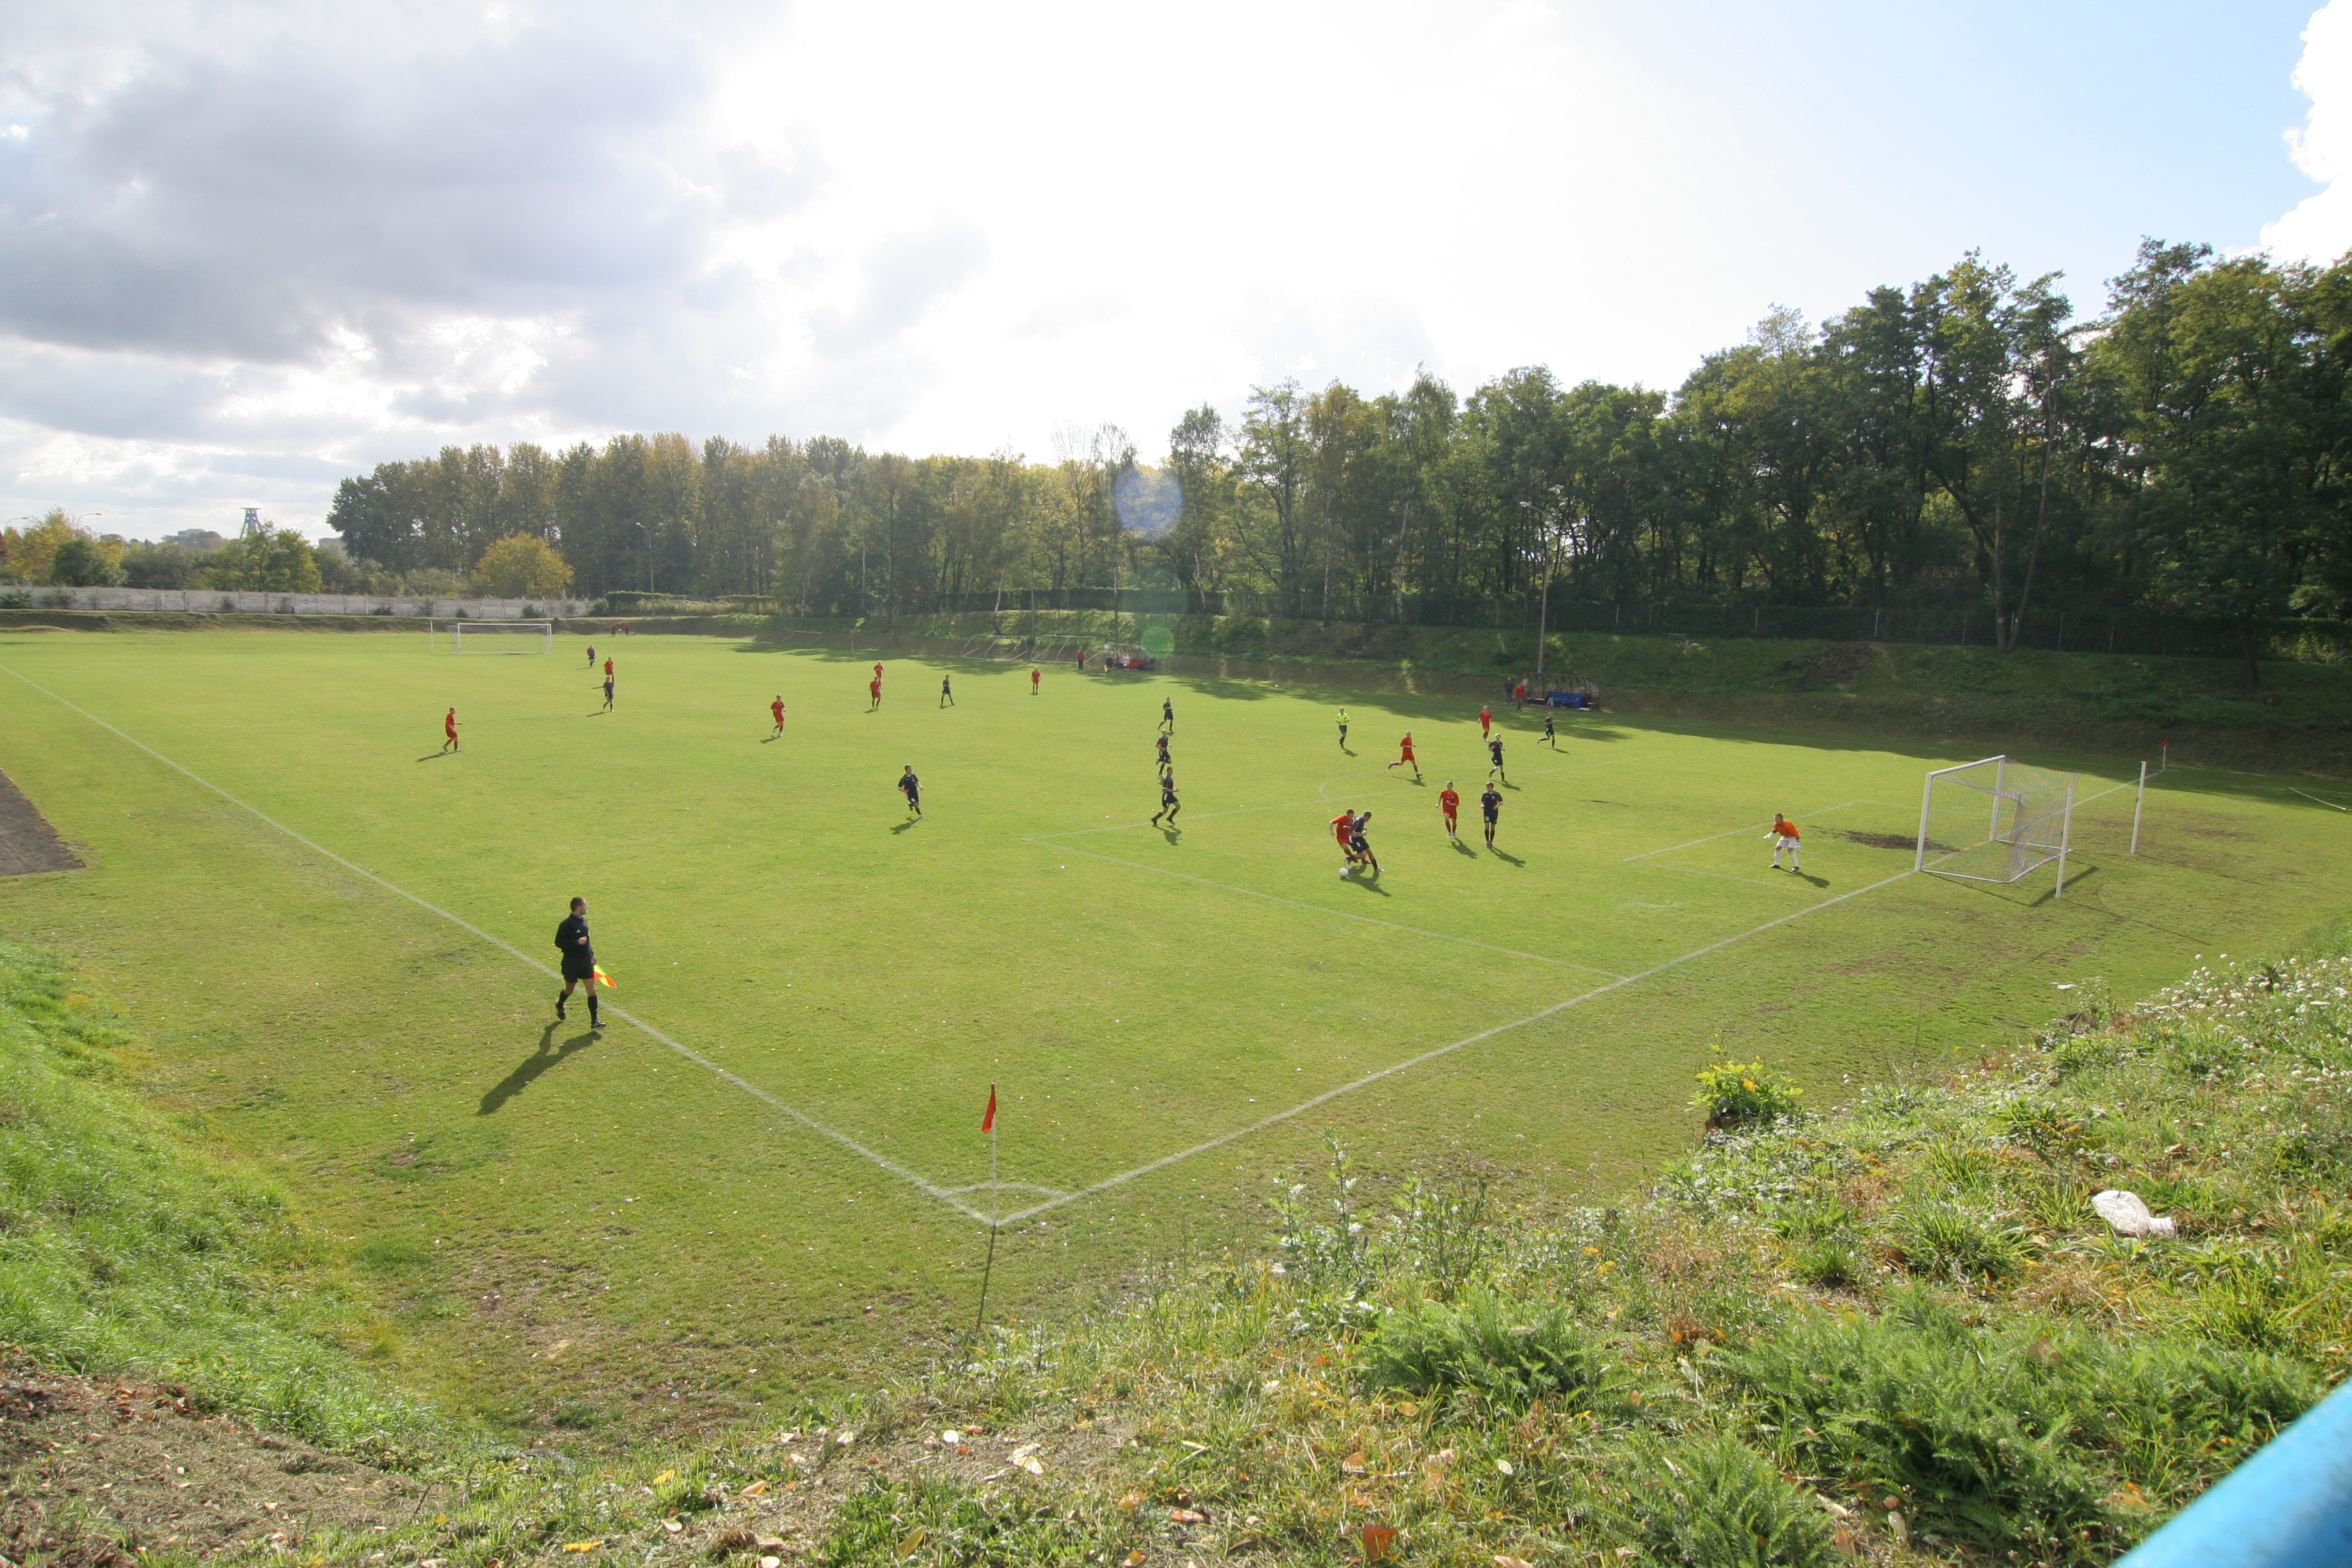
(1343, 872)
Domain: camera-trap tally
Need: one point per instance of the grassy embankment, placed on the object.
(129, 1245)
(1892, 1331)
(2115, 704)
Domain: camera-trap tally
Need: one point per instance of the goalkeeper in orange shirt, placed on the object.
(1784, 836)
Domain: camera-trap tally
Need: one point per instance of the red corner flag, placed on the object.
(988, 1122)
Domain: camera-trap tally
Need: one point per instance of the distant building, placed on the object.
(195, 539)
(252, 522)
(332, 545)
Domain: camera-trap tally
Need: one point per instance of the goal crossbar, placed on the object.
(459, 630)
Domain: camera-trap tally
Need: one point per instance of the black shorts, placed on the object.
(584, 970)
(1491, 815)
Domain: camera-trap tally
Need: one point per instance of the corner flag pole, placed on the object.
(995, 1208)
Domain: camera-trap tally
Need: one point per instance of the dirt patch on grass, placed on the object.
(1903, 841)
(1841, 663)
(92, 1472)
(28, 842)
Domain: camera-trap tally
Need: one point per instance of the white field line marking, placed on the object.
(1411, 1062)
(929, 1189)
(1729, 877)
(1320, 910)
(1326, 800)
(1712, 836)
(2308, 796)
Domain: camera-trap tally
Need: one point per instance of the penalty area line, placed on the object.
(1046, 841)
(1407, 1065)
(929, 1189)
(1728, 833)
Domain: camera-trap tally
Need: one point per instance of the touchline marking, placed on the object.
(1711, 837)
(1411, 1062)
(2308, 796)
(929, 1189)
(1319, 909)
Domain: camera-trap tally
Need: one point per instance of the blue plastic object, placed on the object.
(2290, 1504)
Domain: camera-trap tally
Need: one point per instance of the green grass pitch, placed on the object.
(781, 1182)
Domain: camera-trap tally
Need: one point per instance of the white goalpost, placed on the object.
(1995, 821)
(518, 635)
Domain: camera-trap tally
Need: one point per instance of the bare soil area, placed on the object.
(92, 1471)
(28, 842)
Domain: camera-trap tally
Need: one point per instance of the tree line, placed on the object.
(1963, 440)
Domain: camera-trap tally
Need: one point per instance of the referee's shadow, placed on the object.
(531, 1066)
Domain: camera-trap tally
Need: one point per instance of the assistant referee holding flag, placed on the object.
(579, 961)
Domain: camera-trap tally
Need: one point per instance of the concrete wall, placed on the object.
(206, 600)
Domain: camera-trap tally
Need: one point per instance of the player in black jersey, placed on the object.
(578, 959)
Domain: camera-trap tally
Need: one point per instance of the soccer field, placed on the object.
(769, 1165)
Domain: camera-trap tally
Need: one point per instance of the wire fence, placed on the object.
(2066, 629)
(2063, 629)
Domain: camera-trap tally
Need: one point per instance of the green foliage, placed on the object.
(521, 566)
(274, 560)
(1505, 1349)
(933, 1524)
(1715, 1503)
(2004, 1437)
(83, 561)
(1734, 1094)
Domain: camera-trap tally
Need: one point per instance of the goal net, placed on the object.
(507, 637)
(1994, 821)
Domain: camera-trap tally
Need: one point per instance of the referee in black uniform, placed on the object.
(579, 961)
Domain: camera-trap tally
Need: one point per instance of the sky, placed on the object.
(248, 250)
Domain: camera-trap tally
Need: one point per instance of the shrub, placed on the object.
(2010, 1438)
(931, 1522)
(1829, 1261)
(1951, 1240)
(1507, 1350)
(1716, 1503)
(1737, 1093)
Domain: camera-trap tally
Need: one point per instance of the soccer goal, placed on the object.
(509, 636)
(1995, 821)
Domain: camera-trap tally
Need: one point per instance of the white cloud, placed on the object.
(247, 247)
(2320, 228)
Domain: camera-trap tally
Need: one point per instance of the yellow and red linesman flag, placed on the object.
(602, 978)
(988, 1122)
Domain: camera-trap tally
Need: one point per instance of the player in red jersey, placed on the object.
(1449, 808)
(1784, 835)
(1405, 745)
(1485, 723)
(873, 692)
(449, 731)
(1034, 677)
(1343, 828)
(777, 708)
(608, 670)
